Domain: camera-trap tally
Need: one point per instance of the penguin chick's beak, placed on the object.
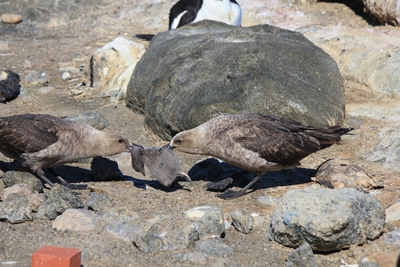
(185, 175)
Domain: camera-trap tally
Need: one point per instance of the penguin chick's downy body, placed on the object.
(161, 161)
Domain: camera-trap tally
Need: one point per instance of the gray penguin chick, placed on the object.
(161, 161)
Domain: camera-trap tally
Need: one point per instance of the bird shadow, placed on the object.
(139, 183)
(214, 171)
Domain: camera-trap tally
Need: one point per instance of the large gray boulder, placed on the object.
(327, 219)
(191, 74)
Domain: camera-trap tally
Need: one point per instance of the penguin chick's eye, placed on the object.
(179, 141)
(120, 141)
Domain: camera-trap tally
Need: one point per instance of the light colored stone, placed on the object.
(113, 65)
(76, 220)
(210, 220)
(383, 259)
(27, 64)
(242, 220)
(327, 219)
(11, 18)
(338, 173)
(393, 213)
(37, 77)
(46, 89)
(168, 233)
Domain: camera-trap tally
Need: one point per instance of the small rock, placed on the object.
(268, 200)
(393, 213)
(119, 214)
(37, 77)
(210, 220)
(59, 199)
(214, 247)
(341, 173)
(111, 66)
(303, 256)
(380, 259)
(16, 209)
(129, 230)
(392, 237)
(11, 18)
(169, 233)
(66, 75)
(27, 64)
(73, 71)
(94, 118)
(98, 201)
(34, 198)
(11, 178)
(327, 219)
(76, 220)
(105, 170)
(45, 90)
(242, 220)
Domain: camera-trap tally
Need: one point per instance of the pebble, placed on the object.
(303, 256)
(45, 90)
(242, 220)
(392, 237)
(11, 18)
(168, 233)
(15, 209)
(210, 220)
(37, 77)
(27, 64)
(98, 201)
(76, 220)
(393, 213)
(66, 75)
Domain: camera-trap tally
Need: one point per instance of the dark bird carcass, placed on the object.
(9, 86)
(161, 161)
(256, 143)
(40, 141)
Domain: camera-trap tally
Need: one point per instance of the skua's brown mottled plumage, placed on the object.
(161, 161)
(256, 143)
(43, 141)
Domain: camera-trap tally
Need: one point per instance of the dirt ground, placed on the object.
(51, 45)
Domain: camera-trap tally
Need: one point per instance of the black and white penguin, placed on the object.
(188, 11)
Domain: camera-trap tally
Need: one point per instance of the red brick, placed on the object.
(49, 256)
